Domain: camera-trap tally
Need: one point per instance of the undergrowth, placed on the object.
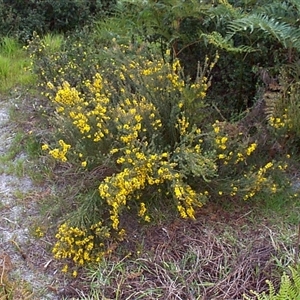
(136, 131)
(139, 125)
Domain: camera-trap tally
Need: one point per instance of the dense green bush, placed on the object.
(23, 17)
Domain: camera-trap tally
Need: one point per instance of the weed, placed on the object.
(141, 124)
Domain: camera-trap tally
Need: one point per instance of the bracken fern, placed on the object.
(289, 288)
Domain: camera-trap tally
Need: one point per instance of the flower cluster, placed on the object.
(80, 244)
(234, 148)
(246, 176)
(59, 154)
(277, 122)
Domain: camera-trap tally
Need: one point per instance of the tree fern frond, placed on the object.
(189, 8)
(223, 12)
(293, 39)
(295, 4)
(283, 32)
(282, 11)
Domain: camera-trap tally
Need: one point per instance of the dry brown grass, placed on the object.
(221, 256)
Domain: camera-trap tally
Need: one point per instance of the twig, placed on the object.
(220, 113)
(297, 245)
(243, 216)
(24, 256)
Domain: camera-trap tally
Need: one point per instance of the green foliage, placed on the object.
(246, 34)
(136, 116)
(13, 64)
(140, 124)
(53, 42)
(73, 60)
(22, 18)
(9, 47)
(286, 34)
(282, 108)
(289, 288)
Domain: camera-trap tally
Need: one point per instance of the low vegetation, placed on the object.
(160, 132)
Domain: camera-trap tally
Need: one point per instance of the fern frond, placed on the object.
(293, 70)
(271, 290)
(289, 288)
(296, 277)
(282, 11)
(295, 4)
(223, 12)
(286, 34)
(271, 100)
(216, 39)
(258, 296)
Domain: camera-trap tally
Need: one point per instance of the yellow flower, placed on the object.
(224, 140)
(251, 148)
(45, 147)
(143, 209)
(113, 151)
(182, 211)
(83, 164)
(138, 118)
(268, 165)
(50, 85)
(120, 160)
(65, 269)
(177, 192)
(216, 129)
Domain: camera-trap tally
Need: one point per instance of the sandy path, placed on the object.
(23, 258)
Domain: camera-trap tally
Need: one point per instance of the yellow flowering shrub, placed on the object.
(137, 117)
(246, 172)
(282, 110)
(140, 117)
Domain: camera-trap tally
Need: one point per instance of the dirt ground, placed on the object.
(25, 263)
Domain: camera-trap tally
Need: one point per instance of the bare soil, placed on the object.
(25, 261)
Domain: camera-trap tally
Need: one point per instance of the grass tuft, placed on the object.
(13, 65)
(53, 42)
